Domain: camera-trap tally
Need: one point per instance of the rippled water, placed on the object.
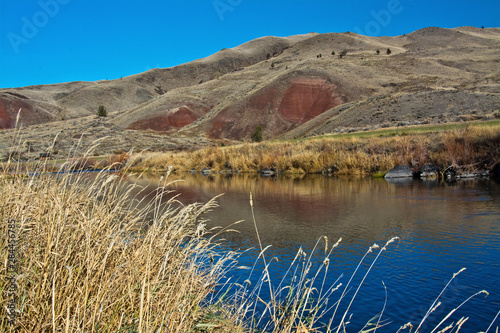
(442, 228)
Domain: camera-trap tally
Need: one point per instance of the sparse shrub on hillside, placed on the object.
(101, 112)
(389, 51)
(257, 135)
(343, 53)
(378, 51)
(333, 53)
(319, 56)
(272, 65)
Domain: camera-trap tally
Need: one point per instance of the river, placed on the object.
(442, 228)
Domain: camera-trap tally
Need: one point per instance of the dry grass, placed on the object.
(115, 161)
(90, 260)
(470, 148)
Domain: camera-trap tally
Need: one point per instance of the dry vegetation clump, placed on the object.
(90, 259)
(470, 148)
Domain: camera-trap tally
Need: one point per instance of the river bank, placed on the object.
(466, 149)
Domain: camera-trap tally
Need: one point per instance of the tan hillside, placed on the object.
(291, 86)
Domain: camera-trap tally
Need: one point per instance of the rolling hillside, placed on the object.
(293, 87)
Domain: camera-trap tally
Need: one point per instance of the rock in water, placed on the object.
(399, 171)
(269, 172)
(428, 171)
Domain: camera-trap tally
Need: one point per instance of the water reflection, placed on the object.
(443, 227)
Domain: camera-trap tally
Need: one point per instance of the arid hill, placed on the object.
(293, 87)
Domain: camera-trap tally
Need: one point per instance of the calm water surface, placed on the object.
(442, 228)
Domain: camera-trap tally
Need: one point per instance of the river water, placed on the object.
(442, 228)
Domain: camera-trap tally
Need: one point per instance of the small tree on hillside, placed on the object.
(343, 54)
(257, 135)
(389, 51)
(101, 112)
(378, 51)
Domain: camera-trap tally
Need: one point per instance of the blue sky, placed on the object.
(53, 41)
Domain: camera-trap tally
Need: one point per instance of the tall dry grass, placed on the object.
(471, 148)
(90, 259)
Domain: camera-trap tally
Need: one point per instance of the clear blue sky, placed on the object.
(52, 41)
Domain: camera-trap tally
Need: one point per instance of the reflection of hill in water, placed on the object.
(300, 210)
